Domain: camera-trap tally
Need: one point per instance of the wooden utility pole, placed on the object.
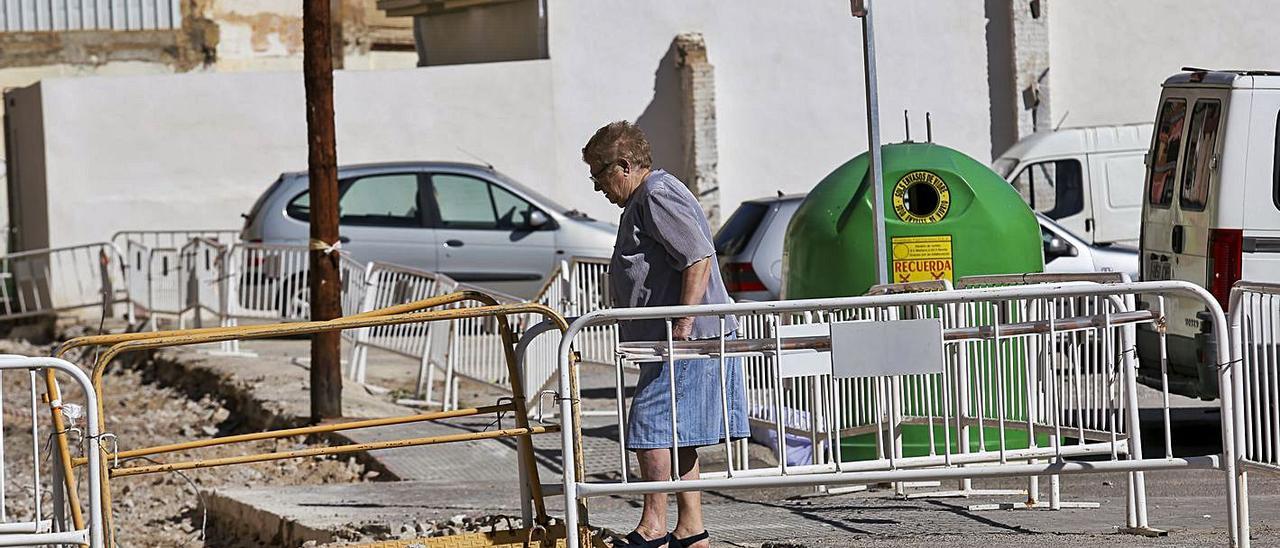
(322, 169)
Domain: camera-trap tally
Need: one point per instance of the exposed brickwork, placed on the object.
(1031, 65)
(698, 94)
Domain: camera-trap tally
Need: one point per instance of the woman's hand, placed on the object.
(682, 328)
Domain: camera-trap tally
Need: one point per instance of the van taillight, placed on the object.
(741, 277)
(1225, 248)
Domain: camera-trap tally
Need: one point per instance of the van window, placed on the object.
(1168, 144)
(1054, 188)
(1200, 150)
(1275, 167)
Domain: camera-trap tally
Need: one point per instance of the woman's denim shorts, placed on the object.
(699, 413)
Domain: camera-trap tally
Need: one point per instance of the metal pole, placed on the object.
(322, 162)
(862, 9)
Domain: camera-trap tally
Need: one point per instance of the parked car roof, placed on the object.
(401, 164)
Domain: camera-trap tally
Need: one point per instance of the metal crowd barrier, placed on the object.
(174, 238)
(1018, 379)
(386, 285)
(532, 497)
(45, 281)
(1255, 348)
(43, 529)
(575, 287)
(266, 282)
(201, 266)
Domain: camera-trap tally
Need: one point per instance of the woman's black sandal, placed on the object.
(690, 541)
(636, 540)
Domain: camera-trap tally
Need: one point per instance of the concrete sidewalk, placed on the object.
(434, 485)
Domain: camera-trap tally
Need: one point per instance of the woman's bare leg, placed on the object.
(689, 503)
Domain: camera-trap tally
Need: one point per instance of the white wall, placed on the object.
(195, 150)
(1109, 57)
(789, 86)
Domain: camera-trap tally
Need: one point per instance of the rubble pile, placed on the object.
(155, 509)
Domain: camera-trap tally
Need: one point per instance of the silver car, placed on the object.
(750, 249)
(467, 221)
(749, 246)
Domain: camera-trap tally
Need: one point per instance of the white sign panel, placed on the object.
(885, 349)
(804, 363)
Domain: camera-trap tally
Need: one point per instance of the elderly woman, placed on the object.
(664, 256)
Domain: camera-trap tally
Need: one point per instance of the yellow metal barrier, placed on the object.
(54, 396)
(400, 314)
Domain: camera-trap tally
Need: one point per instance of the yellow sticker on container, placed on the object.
(921, 198)
(922, 258)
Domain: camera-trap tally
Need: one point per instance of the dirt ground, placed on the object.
(163, 509)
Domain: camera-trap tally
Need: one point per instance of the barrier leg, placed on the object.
(1233, 444)
(1137, 480)
(529, 467)
(63, 448)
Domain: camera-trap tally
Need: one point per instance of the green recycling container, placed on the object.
(947, 216)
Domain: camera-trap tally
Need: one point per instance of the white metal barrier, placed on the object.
(201, 264)
(384, 285)
(41, 528)
(476, 350)
(1023, 380)
(174, 238)
(575, 287)
(164, 283)
(39, 282)
(1255, 347)
(266, 281)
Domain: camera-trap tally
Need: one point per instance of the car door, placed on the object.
(484, 235)
(380, 218)
(1057, 188)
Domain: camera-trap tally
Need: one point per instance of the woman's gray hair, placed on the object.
(620, 140)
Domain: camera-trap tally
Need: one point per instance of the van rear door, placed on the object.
(1180, 204)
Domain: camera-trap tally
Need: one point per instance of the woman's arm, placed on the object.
(695, 280)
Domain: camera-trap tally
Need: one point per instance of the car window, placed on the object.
(1165, 151)
(381, 200)
(300, 207)
(512, 211)
(1055, 187)
(466, 202)
(733, 237)
(1201, 148)
(463, 202)
(390, 200)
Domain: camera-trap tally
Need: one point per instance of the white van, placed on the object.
(1211, 207)
(1088, 179)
